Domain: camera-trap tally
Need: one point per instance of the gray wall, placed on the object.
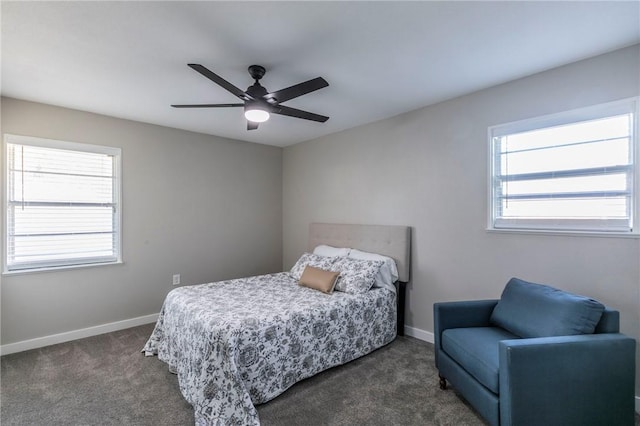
(205, 207)
(428, 169)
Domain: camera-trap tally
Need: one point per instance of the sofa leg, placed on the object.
(443, 382)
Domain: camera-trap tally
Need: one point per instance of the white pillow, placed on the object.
(388, 273)
(324, 250)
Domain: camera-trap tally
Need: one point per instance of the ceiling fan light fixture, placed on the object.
(256, 114)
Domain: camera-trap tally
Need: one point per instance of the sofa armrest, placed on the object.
(568, 380)
(470, 313)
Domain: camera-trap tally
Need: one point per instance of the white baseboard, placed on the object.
(54, 339)
(427, 336)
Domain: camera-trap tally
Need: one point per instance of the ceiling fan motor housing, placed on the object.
(256, 91)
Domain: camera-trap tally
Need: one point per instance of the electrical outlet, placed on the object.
(176, 279)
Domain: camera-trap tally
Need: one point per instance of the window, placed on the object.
(573, 171)
(62, 204)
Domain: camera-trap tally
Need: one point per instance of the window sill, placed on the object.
(562, 233)
(59, 268)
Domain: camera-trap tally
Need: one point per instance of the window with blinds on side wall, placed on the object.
(62, 204)
(573, 171)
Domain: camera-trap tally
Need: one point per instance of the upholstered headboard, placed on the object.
(390, 240)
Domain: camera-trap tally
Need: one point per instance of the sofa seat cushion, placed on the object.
(535, 310)
(476, 350)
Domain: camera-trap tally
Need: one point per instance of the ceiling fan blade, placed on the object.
(298, 113)
(220, 81)
(208, 105)
(251, 125)
(300, 89)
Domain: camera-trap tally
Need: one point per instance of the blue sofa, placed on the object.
(537, 356)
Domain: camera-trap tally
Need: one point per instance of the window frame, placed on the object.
(594, 112)
(70, 263)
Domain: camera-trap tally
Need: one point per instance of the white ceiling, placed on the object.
(129, 59)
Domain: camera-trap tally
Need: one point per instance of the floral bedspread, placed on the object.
(242, 342)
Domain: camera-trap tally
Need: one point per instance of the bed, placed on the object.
(238, 343)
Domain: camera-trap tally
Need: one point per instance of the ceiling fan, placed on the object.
(257, 102)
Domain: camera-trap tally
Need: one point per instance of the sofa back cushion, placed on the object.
(535, 310)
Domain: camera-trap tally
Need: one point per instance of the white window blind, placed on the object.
(569, 172)
(62, 203)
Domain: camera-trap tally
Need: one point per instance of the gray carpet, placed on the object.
(105, 380)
